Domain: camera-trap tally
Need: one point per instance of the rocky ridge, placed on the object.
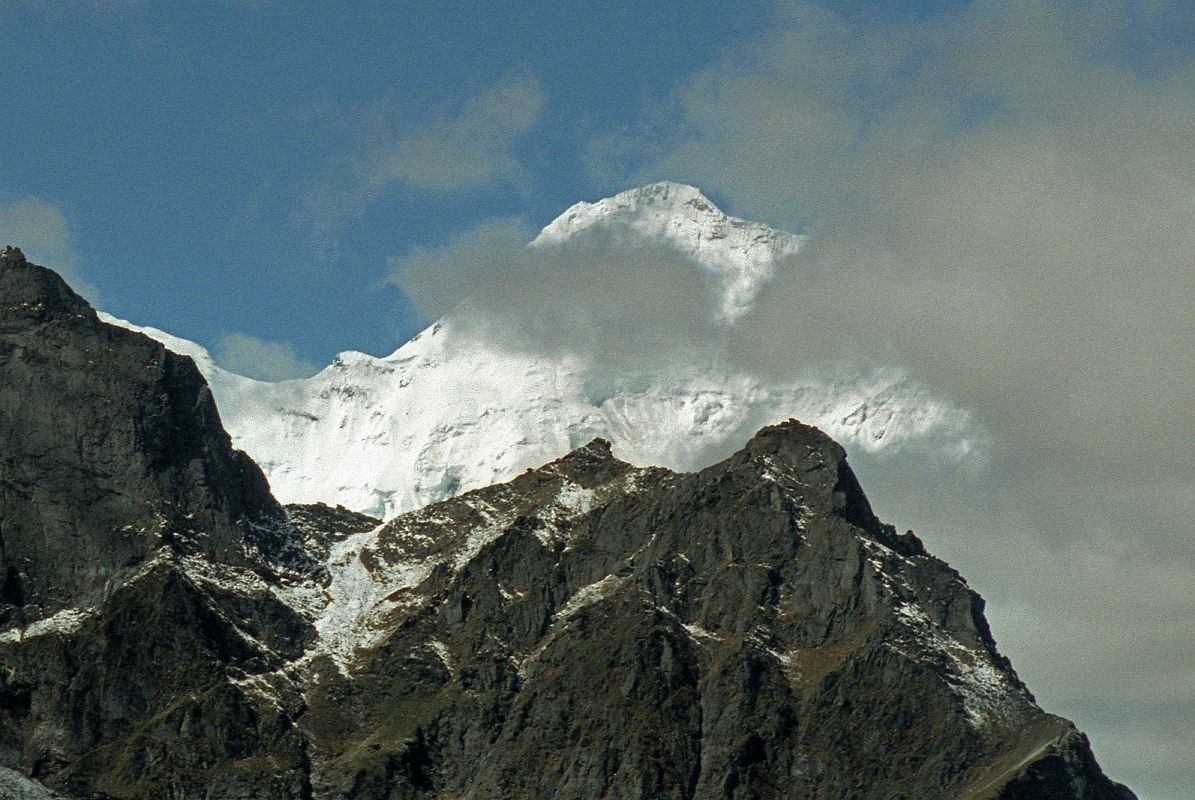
(588, 629)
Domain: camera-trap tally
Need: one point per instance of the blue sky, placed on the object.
(184, 142)
(202, 156)
(999, 197)
(205, 160)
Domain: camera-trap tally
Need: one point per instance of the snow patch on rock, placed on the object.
(588, 595)
(978, 683)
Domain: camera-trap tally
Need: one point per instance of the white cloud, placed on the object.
(626, 305)
(465, 145)
(257, 358)
(43, 234)
(438, 277)
(1002, 199)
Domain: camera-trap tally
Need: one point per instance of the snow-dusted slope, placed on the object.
(450, 411)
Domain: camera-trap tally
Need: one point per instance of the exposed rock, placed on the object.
(112, 448)
(140, 557)
(587, 630)
(748, 631)
(15, 786)
(322, 526)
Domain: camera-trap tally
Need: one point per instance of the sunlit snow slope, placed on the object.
(449, 411)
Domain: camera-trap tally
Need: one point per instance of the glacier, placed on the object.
(454, 410)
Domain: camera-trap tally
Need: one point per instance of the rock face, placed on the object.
(587, 630)
(122, 504)
(112, 447)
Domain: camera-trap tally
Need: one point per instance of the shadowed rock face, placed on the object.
(112, 447)
(749, 631)
(121, 504)
(587, 630)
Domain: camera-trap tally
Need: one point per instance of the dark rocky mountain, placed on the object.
(587, 630)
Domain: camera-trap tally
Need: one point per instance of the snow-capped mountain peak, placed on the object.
(665, 202)
(451, 410)
(742, 254)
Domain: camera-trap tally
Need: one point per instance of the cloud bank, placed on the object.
(999, 199)
(264, 360)
(1002, 200)
(624, 304)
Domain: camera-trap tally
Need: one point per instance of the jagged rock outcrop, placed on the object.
(592, 629)
(112, 448)
(123, 508)
(589, 629)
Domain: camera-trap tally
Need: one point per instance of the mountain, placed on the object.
(454, 410)
(108, 433)
(588, 629)
(124, 509)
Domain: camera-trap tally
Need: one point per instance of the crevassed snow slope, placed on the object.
(449, 411)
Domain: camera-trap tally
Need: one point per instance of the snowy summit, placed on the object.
(450, 411)
(741, 253)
